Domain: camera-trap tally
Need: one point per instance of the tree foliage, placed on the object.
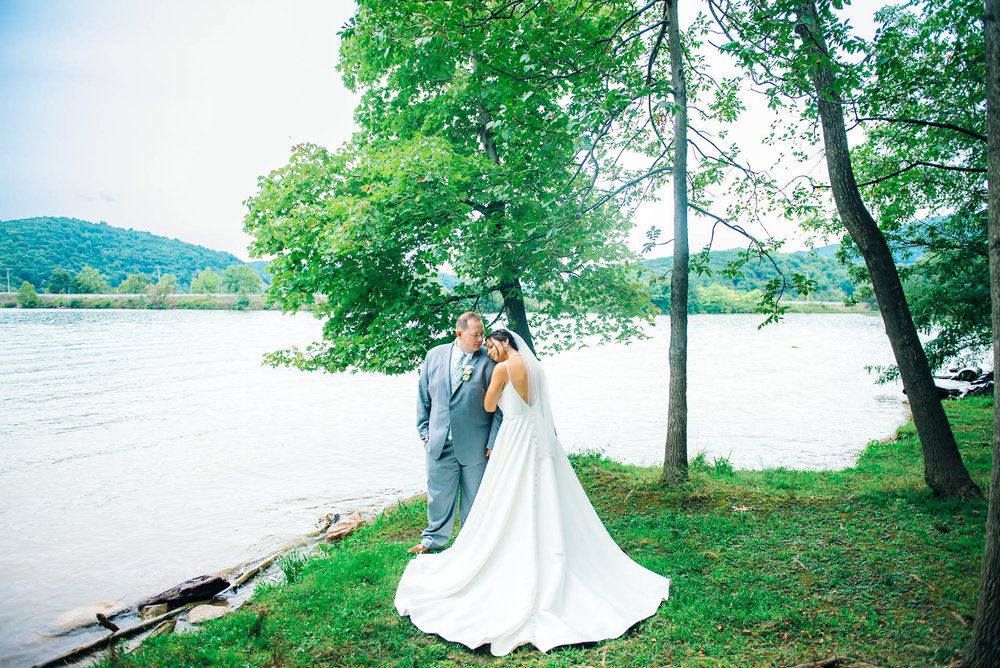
(206, 281)
(27, 297)
(134, 284)
(922, 165)
(239, 279)
(61, 282)
(463, 160)
(158, 292)
(918, 91)
(91, 281)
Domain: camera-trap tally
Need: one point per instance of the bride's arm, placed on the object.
(495, 388)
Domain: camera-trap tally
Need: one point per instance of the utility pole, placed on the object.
(8, 280)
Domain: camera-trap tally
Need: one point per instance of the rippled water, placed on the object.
(141, 448)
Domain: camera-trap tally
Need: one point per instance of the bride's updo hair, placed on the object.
(503, 336)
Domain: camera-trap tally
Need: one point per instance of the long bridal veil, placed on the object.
(539, 403)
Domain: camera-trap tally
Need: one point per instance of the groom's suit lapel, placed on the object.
(472, 362)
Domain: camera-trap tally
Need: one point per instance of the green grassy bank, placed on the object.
(769, 567)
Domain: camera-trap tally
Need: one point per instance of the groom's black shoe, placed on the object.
(419, 548)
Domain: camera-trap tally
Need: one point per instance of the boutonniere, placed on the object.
(466, 372)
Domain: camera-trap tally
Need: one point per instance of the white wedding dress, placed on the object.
(533, 564)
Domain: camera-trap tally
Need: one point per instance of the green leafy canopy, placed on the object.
(468, 158)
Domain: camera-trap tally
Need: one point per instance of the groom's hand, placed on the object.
(487, 452)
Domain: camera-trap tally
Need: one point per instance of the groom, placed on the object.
(457, 431)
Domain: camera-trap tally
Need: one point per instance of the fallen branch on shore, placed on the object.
(832, 662)
(835, 662)
(252, 572)
(93, 645)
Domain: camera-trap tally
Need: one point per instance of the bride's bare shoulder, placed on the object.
(516, 365)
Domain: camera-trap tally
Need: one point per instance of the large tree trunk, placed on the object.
(517, 316)
(675, 464)
(943, 468)
(510, 288)
(985, 649)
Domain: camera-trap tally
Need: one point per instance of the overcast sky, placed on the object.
(160, 115)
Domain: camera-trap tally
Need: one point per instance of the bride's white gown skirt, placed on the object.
(534, 564)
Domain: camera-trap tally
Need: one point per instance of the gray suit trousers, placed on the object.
(447, 481)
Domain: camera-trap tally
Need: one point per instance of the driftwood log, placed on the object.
(200, 588)
(83, 650)
(163, 628)
(835, 662)
(251, 573)
(832, 662)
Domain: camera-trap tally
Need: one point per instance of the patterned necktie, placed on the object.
(456, 371)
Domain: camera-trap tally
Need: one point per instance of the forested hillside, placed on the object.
(33, 247)
(714, 292)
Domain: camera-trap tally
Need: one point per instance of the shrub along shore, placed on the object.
(769, 568)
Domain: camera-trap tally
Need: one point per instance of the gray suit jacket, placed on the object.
(441, 407)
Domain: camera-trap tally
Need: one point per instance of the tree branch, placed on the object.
(756, 242)
(929, 124)
(912, 165)
(628, 184)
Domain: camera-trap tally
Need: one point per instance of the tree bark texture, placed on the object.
(944, 470)
(985, 648)
(517, 316)
(675, 464)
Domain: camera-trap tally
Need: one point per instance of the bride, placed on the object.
(533, 564)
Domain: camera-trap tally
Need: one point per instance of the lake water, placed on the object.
(141, 448)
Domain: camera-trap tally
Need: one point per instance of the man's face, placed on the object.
(471, 338)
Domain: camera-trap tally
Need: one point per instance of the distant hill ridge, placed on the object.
(33, 247)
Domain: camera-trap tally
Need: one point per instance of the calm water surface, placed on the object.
(142, 448)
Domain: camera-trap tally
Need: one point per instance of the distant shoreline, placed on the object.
(206, 302)
(829, 307)
(232, 302)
